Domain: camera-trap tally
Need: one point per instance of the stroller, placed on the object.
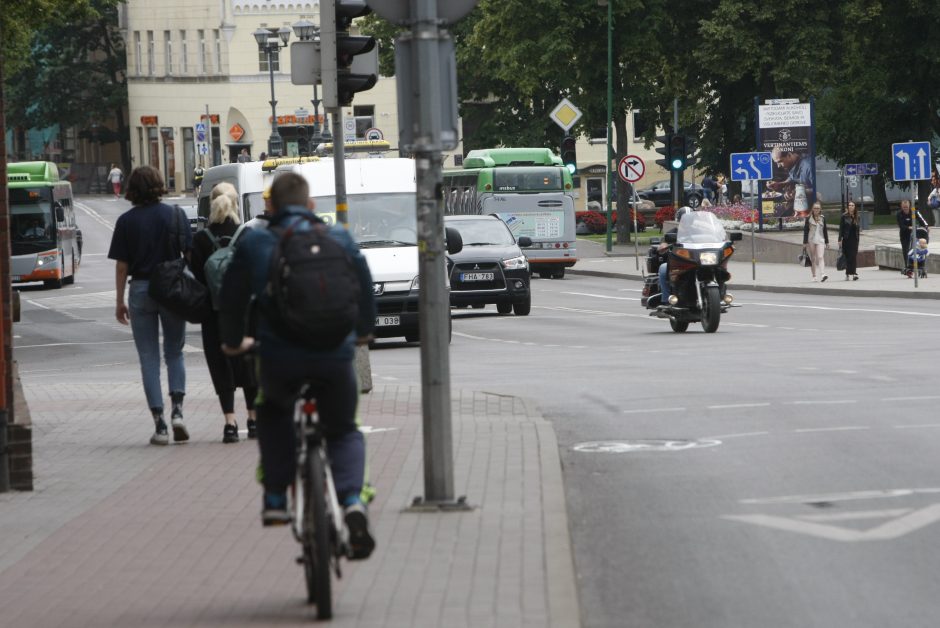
(918, 254)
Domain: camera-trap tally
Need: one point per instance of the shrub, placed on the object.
(597, 222)
(663, 214)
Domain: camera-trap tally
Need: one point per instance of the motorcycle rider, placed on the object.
(663, 252)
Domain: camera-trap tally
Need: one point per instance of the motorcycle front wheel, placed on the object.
(711, 309)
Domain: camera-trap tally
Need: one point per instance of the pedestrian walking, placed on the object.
(815, 239)
(143, 237)
(906, 233)
(849, 236)
(933, 199)
(227, 373)
(116, 177)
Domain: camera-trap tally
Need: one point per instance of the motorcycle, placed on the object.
(697, 271)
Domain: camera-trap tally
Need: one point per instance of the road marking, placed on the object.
(893, 529)
(366, 429)
(921, 398)
(838, 497)
(94, 215)
(652, 410)
(862, 514)
(74, 344)
(601, 296)
(739, 405)
(910, 427)
(819, 402)
(833, 429)
(844, 309)
(741, 435)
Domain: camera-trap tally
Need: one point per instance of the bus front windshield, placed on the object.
(31, 224)
(375, 220)
(528, 179)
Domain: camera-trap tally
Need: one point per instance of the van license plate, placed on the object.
(476, 276)
(387, 321)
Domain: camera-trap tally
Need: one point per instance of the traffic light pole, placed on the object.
(610, 119)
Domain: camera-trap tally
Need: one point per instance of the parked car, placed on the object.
(196, 222)
(491, 268)
(660, 193)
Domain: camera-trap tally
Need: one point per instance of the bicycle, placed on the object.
(316, 516)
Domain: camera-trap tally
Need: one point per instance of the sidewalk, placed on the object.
(770, 276)
(120, 533)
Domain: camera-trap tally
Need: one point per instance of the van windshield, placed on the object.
(376, 220)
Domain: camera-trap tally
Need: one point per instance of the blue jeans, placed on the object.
(146, 319)
(664, 283)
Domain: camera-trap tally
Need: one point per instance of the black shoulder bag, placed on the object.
(172, 284)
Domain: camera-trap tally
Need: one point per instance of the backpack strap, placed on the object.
(216, 245)
(237, 234)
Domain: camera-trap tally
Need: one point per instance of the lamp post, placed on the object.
(269, 45)
(610, 116)
(308, 31)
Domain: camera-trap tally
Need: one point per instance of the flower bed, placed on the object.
(740, 217)
(596, 222)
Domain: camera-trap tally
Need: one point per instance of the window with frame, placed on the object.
(168, 52)
(217, 37)
(151, 54)
(138, 53)
(202, 50)
(184, 53)
(365, 119)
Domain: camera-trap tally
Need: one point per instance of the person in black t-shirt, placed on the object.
(141, 240)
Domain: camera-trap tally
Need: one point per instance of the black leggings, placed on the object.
(850, 250)
(227, 399)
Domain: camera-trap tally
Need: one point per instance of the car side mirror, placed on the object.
(524, 242)
(59, 212)
(453, 240)
(670, 238)
(736, 235)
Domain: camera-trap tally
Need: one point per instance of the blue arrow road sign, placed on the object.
(911, 161)
(751, 166)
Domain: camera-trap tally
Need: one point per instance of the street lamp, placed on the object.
(270, 45)
(308, 31)
(610, 106)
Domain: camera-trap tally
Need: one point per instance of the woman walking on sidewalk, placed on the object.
(815, 239)
(227, 373)
(849, 235)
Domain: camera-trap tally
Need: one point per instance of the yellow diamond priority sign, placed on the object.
(565, 114)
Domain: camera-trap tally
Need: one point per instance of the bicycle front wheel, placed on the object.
(317, 536)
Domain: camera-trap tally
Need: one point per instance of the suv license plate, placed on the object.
(477, 276)
(387, 321)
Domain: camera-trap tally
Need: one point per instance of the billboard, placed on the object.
(785, 129)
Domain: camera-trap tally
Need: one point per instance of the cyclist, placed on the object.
(284, 367)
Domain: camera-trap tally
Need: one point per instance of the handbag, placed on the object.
(840, 262)
(804, 260)
(172, 283)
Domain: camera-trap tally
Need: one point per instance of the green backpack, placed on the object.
(218, 262)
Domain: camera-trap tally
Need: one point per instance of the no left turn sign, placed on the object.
(631, 168)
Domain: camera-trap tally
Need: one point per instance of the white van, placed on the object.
(382, 219)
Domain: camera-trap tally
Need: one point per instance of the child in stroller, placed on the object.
(917, 254)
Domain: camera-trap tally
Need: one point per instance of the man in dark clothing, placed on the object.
(285, 366)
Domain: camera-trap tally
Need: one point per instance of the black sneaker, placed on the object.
(252, 428)
(230, 433)
(361, 542)
(274, 509)
(160, 436)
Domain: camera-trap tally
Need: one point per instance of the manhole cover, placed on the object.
(631, 446)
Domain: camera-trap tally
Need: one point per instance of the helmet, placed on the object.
(682, 211)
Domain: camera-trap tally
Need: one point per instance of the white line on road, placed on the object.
(845, 428)
(652, 410)
(845, 309)
(740, 435)
(73, 344)
(601, 296)
(820, 402)
(95, 216)
(914, 427)
(729, 406)
(921, 398)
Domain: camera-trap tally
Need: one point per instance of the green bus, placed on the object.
(530, 190)
(45, 242)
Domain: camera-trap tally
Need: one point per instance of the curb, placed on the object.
(782, 289)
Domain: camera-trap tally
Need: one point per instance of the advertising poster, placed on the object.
(786, 131)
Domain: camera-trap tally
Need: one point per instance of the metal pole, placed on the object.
(914, 227)
(274, 142)
(755, 199)
(208, 138)
(636, 230)
(676, 181)
(434, 304)
(6, 304)
(610, 123)
(339, 169)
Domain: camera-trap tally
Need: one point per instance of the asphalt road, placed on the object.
(781, 472)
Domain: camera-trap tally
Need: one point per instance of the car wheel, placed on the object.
(478, 306)
(545, 274)
(504, 308)
(522, 308)
(559, 274)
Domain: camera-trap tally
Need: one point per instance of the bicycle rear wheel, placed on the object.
(317, 536)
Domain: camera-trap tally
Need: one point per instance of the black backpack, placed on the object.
(313, 288)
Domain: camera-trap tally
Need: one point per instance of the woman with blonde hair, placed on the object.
(815, 239)
(227, 373)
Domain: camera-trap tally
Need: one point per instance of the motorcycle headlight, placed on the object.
(516, 263)
(708, 258)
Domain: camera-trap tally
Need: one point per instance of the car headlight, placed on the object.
(516, 263)
(709, 258)
(378, 288)
(415, 283)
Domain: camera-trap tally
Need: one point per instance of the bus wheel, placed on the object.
(71, 278)
(52, 283)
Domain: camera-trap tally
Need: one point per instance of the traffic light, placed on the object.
(666, 141)
(342, 74)
(677, 153)
(691, 152)
(569, 156)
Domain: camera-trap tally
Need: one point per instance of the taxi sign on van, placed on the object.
(357, 146)
(271, 164)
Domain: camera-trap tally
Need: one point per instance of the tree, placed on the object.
(81, 41)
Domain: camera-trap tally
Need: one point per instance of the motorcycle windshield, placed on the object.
(701, 228)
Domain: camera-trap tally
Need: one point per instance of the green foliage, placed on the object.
(74, 75)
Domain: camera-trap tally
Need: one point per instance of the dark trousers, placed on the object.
(337, 394)
(850, 250)
(228, 373)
